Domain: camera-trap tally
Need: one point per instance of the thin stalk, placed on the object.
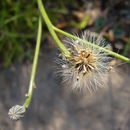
(31, 85)
(50, 27)
(123, 58)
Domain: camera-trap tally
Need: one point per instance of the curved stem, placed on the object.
(31, 85)
(52, 30)
(50, 27)
(123, 58)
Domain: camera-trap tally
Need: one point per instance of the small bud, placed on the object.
(16, 112)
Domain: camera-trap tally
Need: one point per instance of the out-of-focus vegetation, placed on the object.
(19, 19)
(18, 23)
(18, 27)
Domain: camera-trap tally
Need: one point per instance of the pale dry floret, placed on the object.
(86, 66)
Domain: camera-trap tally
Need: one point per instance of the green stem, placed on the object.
(52, 30)
(123, 58)
(31, 85)
(50, 27)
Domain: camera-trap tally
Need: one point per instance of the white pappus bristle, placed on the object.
(86, 66)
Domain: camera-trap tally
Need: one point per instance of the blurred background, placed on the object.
(53, 106)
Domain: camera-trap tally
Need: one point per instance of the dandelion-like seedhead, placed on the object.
(16, 112)
(86, 66)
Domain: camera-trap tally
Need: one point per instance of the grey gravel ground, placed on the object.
(54, 107)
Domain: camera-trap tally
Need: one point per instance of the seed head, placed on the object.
(86, 66)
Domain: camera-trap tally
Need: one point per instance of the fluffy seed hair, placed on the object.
(86, 66)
